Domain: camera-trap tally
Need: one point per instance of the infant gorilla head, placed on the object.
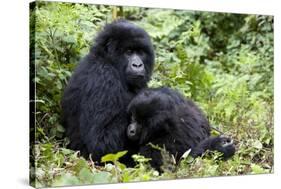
(165, 118)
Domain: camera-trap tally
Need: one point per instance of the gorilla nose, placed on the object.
(137, 64)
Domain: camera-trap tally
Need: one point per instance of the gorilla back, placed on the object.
(95, 101)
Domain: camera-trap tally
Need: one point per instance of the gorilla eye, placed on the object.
(140, 52)
(129, 51)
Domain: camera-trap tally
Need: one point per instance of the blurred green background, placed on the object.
(222, 61)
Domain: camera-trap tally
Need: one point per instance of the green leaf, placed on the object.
(102, 177)
(140, 158)
(212, 170)
(70, 39)
(60, 128)
(257, 144)
(121, 165)
(257, 169)
(81, 163)
(66, 151)
(66, 179)
(86, 176)
(113, 157)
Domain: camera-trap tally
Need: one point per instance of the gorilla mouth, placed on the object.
(136, 78)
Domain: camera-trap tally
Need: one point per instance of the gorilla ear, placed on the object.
(109, 46)
(102, 46)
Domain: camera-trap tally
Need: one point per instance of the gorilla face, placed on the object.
(134, 131)
(152, 127)
(135, 70)
(128, 48)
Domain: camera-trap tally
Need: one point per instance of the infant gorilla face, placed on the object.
(134, 131)
(142, 131)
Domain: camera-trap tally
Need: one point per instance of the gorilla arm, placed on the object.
(102, 111)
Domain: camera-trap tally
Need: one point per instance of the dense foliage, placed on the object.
(222, 61)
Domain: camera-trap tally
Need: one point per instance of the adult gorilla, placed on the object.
(95, 101)
(163, 117)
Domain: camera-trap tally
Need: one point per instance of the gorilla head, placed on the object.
(128, 48)
(152, 114)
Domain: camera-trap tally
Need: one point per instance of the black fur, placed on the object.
(95, 101)
(165, 118)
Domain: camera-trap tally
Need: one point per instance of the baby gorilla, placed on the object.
(165, 118)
